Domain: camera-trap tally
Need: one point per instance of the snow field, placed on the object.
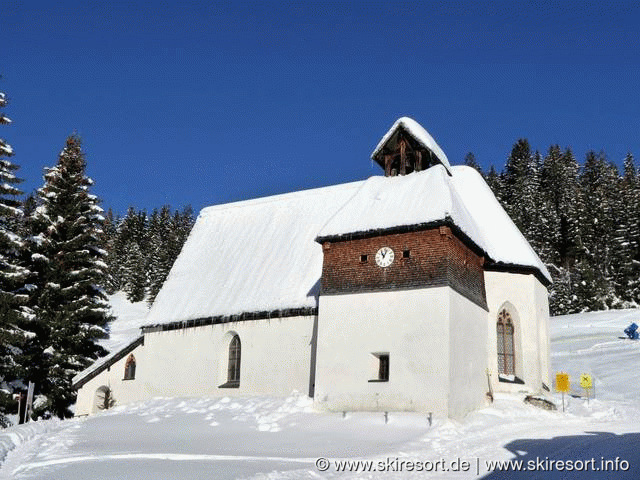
(274, 438)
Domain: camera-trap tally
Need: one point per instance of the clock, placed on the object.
(385, 257)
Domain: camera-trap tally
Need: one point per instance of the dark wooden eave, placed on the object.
(241, 317)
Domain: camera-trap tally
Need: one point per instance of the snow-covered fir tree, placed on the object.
(597, 232)
(129, 256)
(583, 222)
(69, 303)
(521, 191)
(14, 315)
(167, 235)
(627, 235)
(494, 180)
(561, 201)
(110, 228)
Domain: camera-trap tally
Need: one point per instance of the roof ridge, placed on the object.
(279, 196)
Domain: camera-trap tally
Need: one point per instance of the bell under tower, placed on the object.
(407, 147)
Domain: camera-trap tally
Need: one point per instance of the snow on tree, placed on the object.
(13, 311)
(627, 235)
(167, 234)
(70, 305)
(110, 228)
(598, 182)
(561, 201)
(521, 191)
(129, 257)
(494, 180)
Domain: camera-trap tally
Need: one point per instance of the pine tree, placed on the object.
(129, 257)
(13, 312)
(521, 191)
(160, 256)
(110, 227)
(167, 234)
(494, 180)
(627, 239)
(470, 161)
(69, 303)
(561, 201)
(597, 233)
(135, 271)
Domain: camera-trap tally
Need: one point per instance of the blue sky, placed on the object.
(203, 102)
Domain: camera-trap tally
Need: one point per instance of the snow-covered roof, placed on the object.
(251, 256)
(419, 134)
(499, 237)
(431, 196)
(261, 255)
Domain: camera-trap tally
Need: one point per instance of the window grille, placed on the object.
(506, 357)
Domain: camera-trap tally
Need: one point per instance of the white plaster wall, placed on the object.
(411, 325)
(275, 360)
(542, 305)
(123, 391)
(527, 301)
(468, 383)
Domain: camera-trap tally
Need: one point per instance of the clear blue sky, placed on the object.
(204, 102)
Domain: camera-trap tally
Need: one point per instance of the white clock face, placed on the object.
(384, 257)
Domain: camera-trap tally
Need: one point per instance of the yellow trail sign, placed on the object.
(586, 381)
(562, 382)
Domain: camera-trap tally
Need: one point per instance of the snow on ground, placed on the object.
(269, 438)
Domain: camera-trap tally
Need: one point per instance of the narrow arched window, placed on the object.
(130, 368)
(233, 372)
(506, 357)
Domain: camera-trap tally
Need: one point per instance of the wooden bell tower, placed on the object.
(406, 148)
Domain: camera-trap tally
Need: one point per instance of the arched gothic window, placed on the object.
(233, 372)
(130, 368)
(506, 357)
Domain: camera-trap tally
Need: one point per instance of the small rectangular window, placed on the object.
(364, 258)
(379, 367)
(383, 371)
(406, 253)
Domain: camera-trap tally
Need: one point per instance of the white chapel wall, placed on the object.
(527, 301)
(123, 391)
(468, 352)
(275, 360)
(411, 325)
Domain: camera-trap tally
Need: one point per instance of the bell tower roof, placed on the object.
(408, 147)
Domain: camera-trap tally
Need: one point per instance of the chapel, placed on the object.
(409, 291)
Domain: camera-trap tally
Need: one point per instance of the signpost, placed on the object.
(586, 382)
(563, 385)
(29, 406)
